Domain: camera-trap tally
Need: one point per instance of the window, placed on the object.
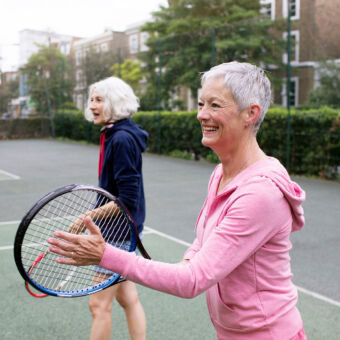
(79, 76)
(80, 101)
(143, 38)
(268, 9)
(104, 47)
(294, 47)
(78, 58)
(294, 9)
(133, 43)
(294, 92)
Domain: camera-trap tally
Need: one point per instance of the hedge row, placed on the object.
(314, 136)
(24, 128)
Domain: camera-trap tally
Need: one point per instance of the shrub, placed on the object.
(314, 135)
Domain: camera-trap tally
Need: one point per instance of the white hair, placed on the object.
(119, 99)
(248, 85)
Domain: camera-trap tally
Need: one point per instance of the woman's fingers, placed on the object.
(93, 229)
(78, 249)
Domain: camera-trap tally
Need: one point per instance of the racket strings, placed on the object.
(60, 214)
(50, 217)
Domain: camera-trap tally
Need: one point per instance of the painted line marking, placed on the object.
(318, 296)
(11, 176)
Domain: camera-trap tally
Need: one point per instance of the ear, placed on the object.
(252, 114)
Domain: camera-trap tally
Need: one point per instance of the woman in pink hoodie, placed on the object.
(240, 256)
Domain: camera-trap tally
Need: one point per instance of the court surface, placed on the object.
(175, 190)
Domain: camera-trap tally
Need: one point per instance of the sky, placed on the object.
(82, 18)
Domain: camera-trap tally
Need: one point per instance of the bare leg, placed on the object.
(101, 306)
(127, 296)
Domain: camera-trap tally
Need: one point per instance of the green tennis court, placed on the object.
(43, 165)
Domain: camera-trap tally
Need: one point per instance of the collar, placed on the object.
(107, 126)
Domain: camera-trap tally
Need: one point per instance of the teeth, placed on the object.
(209, 129)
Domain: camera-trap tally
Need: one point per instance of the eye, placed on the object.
(200, 104)
(215, 105)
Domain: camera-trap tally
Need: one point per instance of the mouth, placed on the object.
(209, 129)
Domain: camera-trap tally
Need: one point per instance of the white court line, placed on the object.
(6, 247)
(12, 176)
(149, 230)
(167, 236)
(9, 222)
(318, 296)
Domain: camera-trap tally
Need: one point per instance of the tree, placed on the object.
(96, 64)
(190, 36)
(49, 78)
(328, 93)
(8, 91)
(131, 72)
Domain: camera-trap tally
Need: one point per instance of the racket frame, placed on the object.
(27, 219)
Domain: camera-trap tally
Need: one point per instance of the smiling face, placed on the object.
(221, 120)
(97, 107)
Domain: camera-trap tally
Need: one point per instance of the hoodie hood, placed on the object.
(291, 190)
(275, 171)
(135, 130)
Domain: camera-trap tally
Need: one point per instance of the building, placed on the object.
(136, 39)
(315, 32)
(5, 80)
(29, 44)
(110, 43)
(7, 77)
(137, 44)
(29, 41)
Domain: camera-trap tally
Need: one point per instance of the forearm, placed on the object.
(175, 279)
(105, 211)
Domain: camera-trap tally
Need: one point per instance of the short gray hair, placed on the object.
(119, 99)
(248, 85)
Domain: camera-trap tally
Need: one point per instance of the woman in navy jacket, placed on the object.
(111, 104)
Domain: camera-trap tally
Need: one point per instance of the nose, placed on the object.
(203, 113)
(92, 105)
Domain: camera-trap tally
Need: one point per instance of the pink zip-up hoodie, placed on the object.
(240, 256)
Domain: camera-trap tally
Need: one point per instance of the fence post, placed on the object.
(288, 87)
(159, 95)
(213, 46)
(49, 111)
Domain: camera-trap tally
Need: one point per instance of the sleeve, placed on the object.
(192, 250)
(254, 217)
(125, 168)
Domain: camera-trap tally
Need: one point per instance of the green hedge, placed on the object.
(314, 142)
(314, 137)
(24, 128)
(74, 126)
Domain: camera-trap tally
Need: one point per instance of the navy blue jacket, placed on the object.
(122, 167)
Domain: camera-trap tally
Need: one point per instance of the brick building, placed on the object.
(315, 36)
(108, 41)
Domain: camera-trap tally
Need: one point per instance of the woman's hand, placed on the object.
(79, 250)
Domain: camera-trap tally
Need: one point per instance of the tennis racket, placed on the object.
(65, 209)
